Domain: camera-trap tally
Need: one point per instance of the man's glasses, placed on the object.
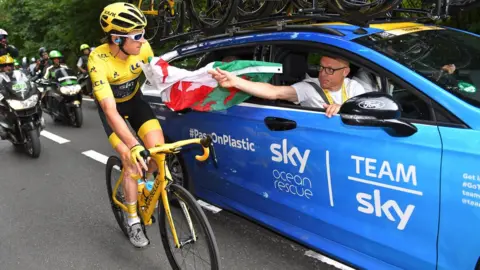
(135, 37)
(329, 70)
(3, 37)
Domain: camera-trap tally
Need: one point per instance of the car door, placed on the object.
(235, 140)
(370, 193)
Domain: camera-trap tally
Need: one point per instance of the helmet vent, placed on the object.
(130, 17)
(135, 12)
(121, 23)
(104, 24)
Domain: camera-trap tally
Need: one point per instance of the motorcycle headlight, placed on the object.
(23, 104)
(70, 89)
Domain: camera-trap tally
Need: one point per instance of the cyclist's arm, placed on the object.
(103, 93)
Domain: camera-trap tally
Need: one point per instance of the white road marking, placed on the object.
(96, 156)
(324, 259)
(209, 207)
(53, 137)
(87, 99)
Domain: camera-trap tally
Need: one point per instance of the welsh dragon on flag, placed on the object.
(181, 88)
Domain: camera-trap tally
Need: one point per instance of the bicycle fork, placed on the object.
(153, 196)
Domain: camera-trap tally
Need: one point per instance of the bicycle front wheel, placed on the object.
(113, 170)
(198, 245)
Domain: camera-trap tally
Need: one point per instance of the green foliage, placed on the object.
(55, 24)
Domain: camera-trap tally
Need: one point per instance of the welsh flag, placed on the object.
(181, 88)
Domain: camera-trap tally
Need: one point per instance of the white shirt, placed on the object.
(309, 97)
(80, 62)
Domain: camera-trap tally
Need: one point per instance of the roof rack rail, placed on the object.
(309, 28)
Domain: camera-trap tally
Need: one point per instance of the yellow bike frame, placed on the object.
(147, 203)
(153, 11)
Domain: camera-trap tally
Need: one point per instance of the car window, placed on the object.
(412, 106)
(448, 58)
(188, 63)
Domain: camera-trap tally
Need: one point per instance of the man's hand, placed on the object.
(135, 157)
(449, 68)
(331, 109)
(224, 78)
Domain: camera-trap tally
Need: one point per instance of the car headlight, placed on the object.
(23, 104)
(70, 89)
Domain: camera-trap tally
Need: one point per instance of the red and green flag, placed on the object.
(181, 88)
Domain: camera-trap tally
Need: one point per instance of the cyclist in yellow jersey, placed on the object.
(114, 71)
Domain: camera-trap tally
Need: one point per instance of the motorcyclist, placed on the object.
(43, 62)
(83, 59)
(82, 66)
(56, 58)
(4, 47)
(31, 67)
(6, 66)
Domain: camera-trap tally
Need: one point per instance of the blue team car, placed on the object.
(392, 182)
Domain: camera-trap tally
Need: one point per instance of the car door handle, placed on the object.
(279, 124)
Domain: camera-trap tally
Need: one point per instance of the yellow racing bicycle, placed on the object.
(182, 222)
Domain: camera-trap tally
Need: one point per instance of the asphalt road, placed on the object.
(55, 214)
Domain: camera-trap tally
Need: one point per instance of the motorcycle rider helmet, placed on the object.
(6, 60)
(41, 51)
(122, 18)
(32, 60)
(3, 33)
(84, 46)
(55, 54)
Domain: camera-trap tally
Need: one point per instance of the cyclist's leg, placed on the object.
(147, 126)
(130, 185)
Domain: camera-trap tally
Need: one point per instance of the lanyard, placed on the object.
(344, 95)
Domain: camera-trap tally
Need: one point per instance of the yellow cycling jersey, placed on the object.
(113, 77)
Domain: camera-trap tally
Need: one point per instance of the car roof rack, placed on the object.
(298, 22)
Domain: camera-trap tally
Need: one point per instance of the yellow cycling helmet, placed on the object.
(122, 18)
(6, 59)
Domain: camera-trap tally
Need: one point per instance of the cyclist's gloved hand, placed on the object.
(135, 157)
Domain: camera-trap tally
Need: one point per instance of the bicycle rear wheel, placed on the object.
(250, 9)
(193, 230)
(363, 8)
(212, 14)
(113, 169)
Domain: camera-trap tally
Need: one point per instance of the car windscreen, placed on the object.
(448, 58)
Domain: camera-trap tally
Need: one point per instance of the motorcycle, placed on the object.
(21, 118)
(62, 97)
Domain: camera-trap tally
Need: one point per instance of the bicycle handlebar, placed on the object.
(206, 144)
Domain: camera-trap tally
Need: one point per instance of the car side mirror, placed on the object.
(376, 109)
